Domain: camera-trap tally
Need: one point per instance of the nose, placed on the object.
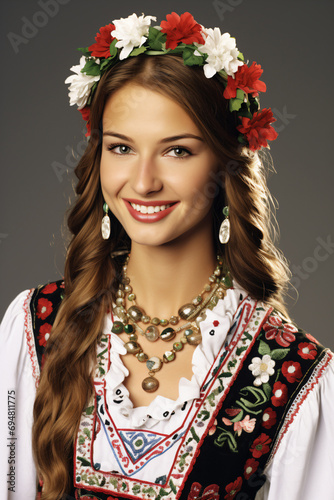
(146, 178)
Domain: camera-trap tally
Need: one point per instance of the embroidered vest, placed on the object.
(248, 401)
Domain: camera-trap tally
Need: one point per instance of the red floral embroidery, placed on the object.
(44, 334)
(215, 323)
(233, 488)
(307, 350)
(50, 288)
(246, 79)
(282, 333)
(44, 308)
(269, 418)
(280, 394)
(103, 40)
(85, 113)
(311, 338)
(182, 28)
(292, 371)
(258, 129)
(210, 493)
(213, 428)
(260, 446)
(251, 466)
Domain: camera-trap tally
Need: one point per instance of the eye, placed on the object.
(119, 149)
(180, 152)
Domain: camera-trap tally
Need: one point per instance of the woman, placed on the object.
(172, 368)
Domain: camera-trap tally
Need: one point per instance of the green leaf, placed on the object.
(279, 353)
(240, 94)
(267, 389)
(194, 435)
(248, 336)
(156, 38)
(113, 48)
(138, 50)
(87, 432)
(235, 104)
(84, 462)
(89, 410)
(91, 68)
(81, 440)
(241, 56)
(190, 59)
(241, 349)
(85, 51)
(225, 374)
(173, 487)
(264, 348)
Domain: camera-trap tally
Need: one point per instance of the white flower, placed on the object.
(222, 52)
(130, 32)
(262, 369)
(81, 84)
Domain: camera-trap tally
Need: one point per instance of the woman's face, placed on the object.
(157, 172)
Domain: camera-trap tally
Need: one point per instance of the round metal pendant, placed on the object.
(150, 384)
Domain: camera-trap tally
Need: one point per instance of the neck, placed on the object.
(168, 276)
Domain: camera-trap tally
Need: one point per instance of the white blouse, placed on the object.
(302, 468)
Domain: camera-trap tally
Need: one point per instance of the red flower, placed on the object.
(307, 350)
(233, 488)
(50, 288)
(251, 466)
(283, 334)
(44, 334)
(268, 418)
(258, 129)
(260, 446)
(44, 308)
(280, 396)
(182, 28)
(292, 371)
(246, 79)
(85, 113)
(211, 492)
(311, 338)
(103, 40)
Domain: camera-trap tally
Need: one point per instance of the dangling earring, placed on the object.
(224, 230)
(105, 226)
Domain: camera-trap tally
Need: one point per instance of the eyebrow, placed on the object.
(166, 139)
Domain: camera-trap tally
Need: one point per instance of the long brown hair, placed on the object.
(91, 274)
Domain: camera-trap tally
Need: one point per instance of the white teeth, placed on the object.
(143, 209)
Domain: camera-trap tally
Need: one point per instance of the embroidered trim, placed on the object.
(30, 337)
(223, 372)
(300, 398)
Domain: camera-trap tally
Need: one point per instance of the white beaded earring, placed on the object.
(105, 226)
(224, 230)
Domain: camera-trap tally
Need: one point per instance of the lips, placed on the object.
(149, 211)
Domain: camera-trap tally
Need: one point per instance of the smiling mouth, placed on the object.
(150, 209)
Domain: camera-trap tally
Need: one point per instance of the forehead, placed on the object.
(138, 108)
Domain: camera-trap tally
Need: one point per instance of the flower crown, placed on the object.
(199, 46)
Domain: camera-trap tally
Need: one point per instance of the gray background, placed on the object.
(293, 43)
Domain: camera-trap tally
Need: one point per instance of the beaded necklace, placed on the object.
(193, 313)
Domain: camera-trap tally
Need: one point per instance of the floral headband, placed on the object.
(199, 46)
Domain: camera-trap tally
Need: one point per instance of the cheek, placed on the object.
(202, 190)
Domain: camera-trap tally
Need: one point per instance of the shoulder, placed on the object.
(27, 324)
(45, 301)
